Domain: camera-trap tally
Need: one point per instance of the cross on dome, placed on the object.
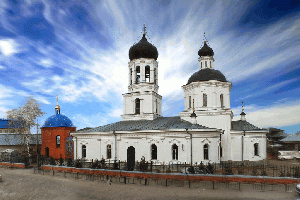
(144, 29)
(57, 107)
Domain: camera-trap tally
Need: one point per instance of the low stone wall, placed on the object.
(173, 176)
(15, 165)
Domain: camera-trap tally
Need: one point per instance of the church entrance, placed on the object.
(130, 158)
(47, 152)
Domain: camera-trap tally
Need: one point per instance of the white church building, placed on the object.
(203, 131)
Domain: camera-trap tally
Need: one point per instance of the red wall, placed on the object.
(49, 140)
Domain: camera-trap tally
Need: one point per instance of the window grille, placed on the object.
(256, 153)
(174, 152)
(204, 100)
(83, 151)
(108, 151)
(58, 141)
(153, 152)
(221, 101)
(205, 152)
(137, 106)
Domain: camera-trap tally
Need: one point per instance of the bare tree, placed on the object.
(24, 117)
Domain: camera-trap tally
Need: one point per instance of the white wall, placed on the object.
(96, 145)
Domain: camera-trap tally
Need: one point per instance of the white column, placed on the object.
(151, 73)
(130, 76)
(134, 74)
(142, 70)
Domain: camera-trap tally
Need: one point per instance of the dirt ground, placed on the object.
(24, 184)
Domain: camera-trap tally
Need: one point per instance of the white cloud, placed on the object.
(46, 62)
(285, 114)
(8, 47)
(2, 67)
(117, 112)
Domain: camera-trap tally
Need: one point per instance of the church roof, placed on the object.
(4, 123)
(159, 123)
(17, 139)
(58, 120)
(143, 49)
(206, 75)
(244, 126)
(205, 50)
(292, 138)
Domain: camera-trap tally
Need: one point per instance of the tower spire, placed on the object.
(243, 118)
(57, 107)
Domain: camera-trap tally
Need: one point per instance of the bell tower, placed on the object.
(142, 100)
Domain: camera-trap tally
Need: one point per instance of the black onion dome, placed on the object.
(205, 50)
(143, 49)
(206, 75)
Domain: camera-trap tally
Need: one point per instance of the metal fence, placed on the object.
(238, 186)
(223, 168)
(15, 158)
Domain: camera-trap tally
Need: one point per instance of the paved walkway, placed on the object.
(24, 184)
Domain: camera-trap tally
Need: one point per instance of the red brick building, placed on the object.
(56, 139)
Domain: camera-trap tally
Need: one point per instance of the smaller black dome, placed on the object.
(143, 49)
(205, 50)
(206, 75)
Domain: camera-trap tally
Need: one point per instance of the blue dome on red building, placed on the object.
(58, 120)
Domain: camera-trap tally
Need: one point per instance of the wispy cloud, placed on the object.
(79, 51)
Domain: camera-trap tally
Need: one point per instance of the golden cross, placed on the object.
(144, 29)
(242, 105)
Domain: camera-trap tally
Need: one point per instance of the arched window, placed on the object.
(205, 152)
(174, 152)
(153, 152)
(138, 74)
(190, 102)
(137, 106)
(256, 153)
(130, 76)
(221, 101)
(147, 74)
(205, 64)
(221, 151)
(108, 151)
(83, 151)
(58, 141)
(156, 106)
(210, 64)
(201, 65)
(204, 100)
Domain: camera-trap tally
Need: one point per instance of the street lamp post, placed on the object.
(37, 144)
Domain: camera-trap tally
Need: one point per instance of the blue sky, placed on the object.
(78, 50)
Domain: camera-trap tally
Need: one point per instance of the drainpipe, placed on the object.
(115, 145)
(191, 145)
(243, 147)
(76, 147)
